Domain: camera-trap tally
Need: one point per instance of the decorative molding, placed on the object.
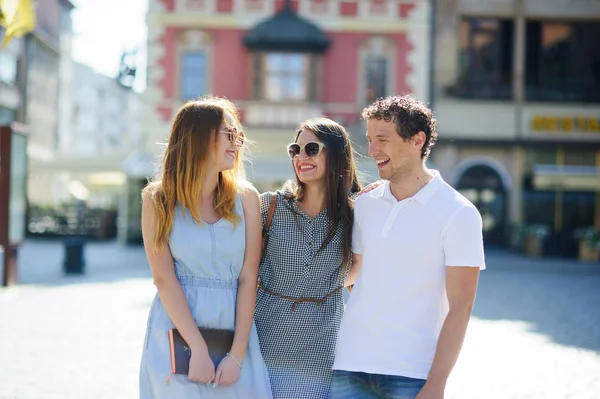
(257, 8)
(240, 19)
(202, 6)
(322, 8)
(417, 78)
(378, 9)
(194, 41)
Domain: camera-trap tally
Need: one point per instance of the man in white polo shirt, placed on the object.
(418, 250)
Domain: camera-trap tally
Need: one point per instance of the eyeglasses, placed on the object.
(312, 149)
(235, 136)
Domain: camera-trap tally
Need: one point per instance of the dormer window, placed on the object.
(286, 51)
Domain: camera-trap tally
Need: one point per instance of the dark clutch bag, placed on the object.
(218, 342)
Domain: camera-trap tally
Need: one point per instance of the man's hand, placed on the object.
(431, 392)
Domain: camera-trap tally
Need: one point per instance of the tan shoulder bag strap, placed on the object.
(267, 225)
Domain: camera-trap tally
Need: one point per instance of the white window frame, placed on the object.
(194, 41)
(306, 76)
(378, 46)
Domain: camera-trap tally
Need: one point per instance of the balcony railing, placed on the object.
(270, 114)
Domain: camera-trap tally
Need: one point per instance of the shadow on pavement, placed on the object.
(563, 307)
(41, 263)
(559, 299)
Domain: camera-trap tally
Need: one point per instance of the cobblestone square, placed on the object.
(535, 331)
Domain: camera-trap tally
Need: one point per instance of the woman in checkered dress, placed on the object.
(300, 300)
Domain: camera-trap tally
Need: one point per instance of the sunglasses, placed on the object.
(312, 149)
(234, 136)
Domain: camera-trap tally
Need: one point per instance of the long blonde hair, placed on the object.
(193, 136)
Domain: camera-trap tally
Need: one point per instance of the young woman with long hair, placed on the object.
(303, 271)
(201, 229)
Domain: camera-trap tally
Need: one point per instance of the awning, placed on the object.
(566, 177)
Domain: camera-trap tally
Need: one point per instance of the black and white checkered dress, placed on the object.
(298, 346)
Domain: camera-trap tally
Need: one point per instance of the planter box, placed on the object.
(534, 246)
(587, 252)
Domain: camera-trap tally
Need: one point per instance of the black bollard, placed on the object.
(74, 259)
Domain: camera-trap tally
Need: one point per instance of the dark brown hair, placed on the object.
(409, 115)
(341, 182)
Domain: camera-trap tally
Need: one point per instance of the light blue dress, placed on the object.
(208, 259)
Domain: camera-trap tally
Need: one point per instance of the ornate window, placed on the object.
(377, 63)
(284, 77)
(193, 75)
(194, 64)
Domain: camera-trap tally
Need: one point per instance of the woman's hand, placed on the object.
(228, 372)
(370, 187)
(202, 368)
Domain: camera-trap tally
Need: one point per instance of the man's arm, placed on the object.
(461, 286)
(464, 257)
(357, 248)
(354, 270)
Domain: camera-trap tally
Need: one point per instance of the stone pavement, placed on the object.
(77, 336)
(532, 336)
(535, 332)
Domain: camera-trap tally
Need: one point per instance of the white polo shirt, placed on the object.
(398, 305)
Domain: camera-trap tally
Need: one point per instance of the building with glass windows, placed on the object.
(35, 90)
(517, 95)
(282, 62)
(47, 74)
(10, 94)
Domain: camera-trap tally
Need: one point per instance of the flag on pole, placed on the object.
(18, 17)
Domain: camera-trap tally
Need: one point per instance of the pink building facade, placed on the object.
(282, 62)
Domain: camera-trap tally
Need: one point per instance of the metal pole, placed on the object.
(519, 67)
(8, 258)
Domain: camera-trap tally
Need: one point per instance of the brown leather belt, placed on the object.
(296, 301)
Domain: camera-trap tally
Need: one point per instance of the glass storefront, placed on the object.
(564, 213)
(565, 202)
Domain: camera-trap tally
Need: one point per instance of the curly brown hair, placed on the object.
(409, 115)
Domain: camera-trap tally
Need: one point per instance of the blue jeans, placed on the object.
(354, 385)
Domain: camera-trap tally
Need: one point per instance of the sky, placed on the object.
(103, 29)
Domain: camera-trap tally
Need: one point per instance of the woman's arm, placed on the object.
(228, 371)
(246, 300)
(172, 296)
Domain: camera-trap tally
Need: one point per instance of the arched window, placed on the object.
(483, 186)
